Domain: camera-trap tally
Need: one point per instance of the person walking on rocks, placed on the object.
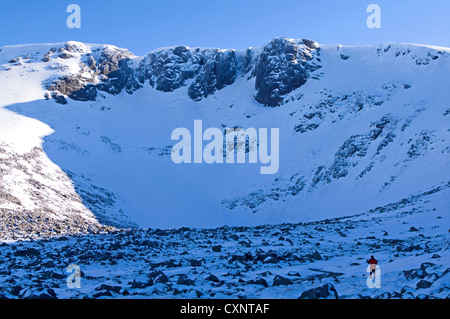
(373, 266)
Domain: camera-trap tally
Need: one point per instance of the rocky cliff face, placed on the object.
(107, 70)
(279, 67)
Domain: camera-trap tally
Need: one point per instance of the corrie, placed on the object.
(237, 141)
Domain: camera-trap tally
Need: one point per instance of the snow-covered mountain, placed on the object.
(85, 132)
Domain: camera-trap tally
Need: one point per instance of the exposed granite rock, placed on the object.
(279, 68)
(75, 87)
(326, 291)
(218, 72)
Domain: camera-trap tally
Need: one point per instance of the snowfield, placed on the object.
(86, 172)
(324, 259)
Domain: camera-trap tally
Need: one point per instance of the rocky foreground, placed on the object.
(38, 201)
(323, 259)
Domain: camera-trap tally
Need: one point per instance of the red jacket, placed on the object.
(372, 261)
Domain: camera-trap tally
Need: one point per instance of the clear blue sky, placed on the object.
(144, 25)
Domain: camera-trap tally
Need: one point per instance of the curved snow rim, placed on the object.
(90, 46)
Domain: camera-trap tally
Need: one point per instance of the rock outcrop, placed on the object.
(278, 68)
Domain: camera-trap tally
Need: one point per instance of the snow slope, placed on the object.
(325, 259)
(368, 127)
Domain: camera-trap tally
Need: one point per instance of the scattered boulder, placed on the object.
(161, 278)
(258, 281)
(141, 281)
(184, 280)
(196, 262)
(426, 265)
(105, 287)
(415, 273)
(212, 278)
(293, 273)
(281, 281)
(242, 258)
(423, 284)
(216, 248)
(316, 256)
(326, 291)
